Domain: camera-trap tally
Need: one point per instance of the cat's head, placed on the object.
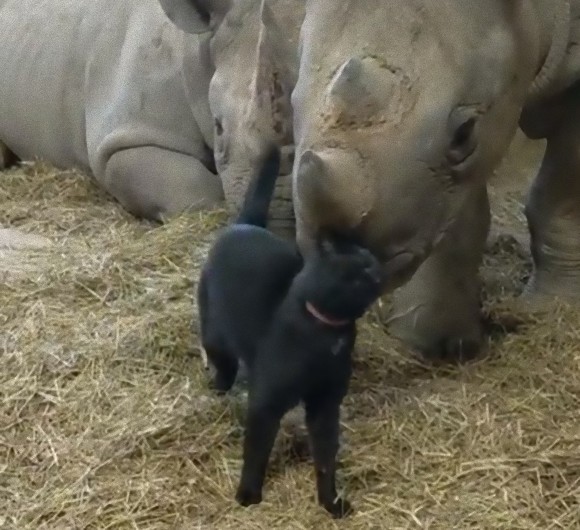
(343, 279)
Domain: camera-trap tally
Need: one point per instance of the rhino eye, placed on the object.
(218, 127)
(463, 141)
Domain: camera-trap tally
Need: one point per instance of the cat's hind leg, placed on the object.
(214, 350)
(226, 368)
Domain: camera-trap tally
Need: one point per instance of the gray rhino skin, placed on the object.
(402, 110)
(116, 89)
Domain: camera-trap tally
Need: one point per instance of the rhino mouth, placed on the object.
(399, 269)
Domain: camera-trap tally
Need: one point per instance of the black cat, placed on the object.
(292, 322)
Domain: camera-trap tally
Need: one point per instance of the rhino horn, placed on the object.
(310, 187)
(321, 180)
(266, 16)
(274, 51)
(265, 56)
(365, 87)
(348, 82)
(310, 165)
(310, 175)
(274, 74)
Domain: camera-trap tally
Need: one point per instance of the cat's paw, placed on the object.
(246, 497)
(222, 383)
(339, 508)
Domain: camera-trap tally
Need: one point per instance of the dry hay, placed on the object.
(106, 420)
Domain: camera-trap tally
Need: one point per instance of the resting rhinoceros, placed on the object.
(117, 89)
(402, 109)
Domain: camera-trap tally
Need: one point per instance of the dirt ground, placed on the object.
(106, 420)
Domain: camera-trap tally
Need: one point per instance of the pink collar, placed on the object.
(324, 319)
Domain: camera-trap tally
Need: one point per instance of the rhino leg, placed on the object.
(438, 310)
(156, 183)
(553, 213)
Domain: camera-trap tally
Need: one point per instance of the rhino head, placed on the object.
(251, 52)
(402, 108)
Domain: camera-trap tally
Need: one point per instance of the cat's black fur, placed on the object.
(292, 322)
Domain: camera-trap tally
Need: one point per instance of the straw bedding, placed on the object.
(106, 420)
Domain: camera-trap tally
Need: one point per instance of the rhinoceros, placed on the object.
(402, 109)
(138, 93)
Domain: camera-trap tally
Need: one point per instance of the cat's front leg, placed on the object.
(265, 410)
(322, 420)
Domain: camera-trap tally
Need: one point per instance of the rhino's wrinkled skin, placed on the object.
(116, 88)
(402, 109)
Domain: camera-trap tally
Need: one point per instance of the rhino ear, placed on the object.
(196, 16)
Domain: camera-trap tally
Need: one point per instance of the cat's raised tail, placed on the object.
(259, 193)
